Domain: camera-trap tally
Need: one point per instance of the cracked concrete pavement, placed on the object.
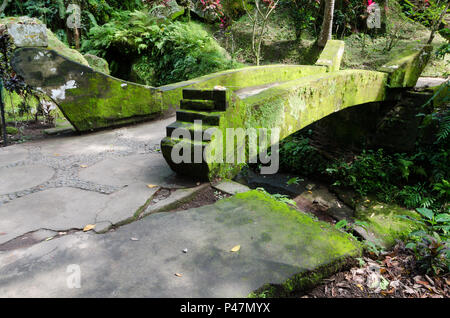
(54, 187)
(67, 182)
(178, 254)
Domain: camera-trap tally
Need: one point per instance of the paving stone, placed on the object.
(231, 187)
(12, 154)
(145, 168)
(23, 177)
(55, 209)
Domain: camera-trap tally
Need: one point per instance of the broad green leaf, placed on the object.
(443, 217)
(426, 213)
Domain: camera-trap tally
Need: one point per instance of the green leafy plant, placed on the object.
(279, 197)
(294, 180)
(431, 244)
(159, 52)
(299, 156)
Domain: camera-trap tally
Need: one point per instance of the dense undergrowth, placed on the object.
(160, 52)
(418, 180)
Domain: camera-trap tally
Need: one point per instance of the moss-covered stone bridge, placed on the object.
(287, 97)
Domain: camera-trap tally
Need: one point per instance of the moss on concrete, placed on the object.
(383, 221)
(331, 55)
(88, 99)
(97, 63)
(404, 70)
(294, 105)
(53, 42)
(441, 94)
(238, 79)
(317, 247)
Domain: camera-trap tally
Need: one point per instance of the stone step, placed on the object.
(207, 118)
(192, 168)
(197, 104)
(167, 141)
(218, 96)
(204, 131)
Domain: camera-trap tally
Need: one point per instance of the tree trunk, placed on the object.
(3, 6)
(325, 33)
(76, 33)
(2, 114)
(436, 23)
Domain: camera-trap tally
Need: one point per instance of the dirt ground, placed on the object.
(206, 196)
(29, 130)
(393, 274)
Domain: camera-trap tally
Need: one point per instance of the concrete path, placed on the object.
(182, 254)
(67, 182)
(53, 188)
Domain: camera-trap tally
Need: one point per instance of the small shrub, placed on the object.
(431, 245)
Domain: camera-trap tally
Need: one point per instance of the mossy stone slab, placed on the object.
(384, 224)
(278, 245)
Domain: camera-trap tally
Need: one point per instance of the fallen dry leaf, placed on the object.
(151, 186)
(388, 292)
(236, 248)
(178, 274)
(88, 227)
(423, 283)
(83, 166)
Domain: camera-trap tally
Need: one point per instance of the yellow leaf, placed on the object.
(236, 248)
(178, 274)
(151, 186)
(360, 287)
(83, 166)
(88, 227)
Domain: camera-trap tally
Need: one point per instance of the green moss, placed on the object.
(331, 55)
(303, 225)
(53, 42)
(441, 94)
(238, 79)
(97, 63)
(302, 281)
(317, 247)
(405, 69)
(289, 106)
(102, 102)
(384, 222)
